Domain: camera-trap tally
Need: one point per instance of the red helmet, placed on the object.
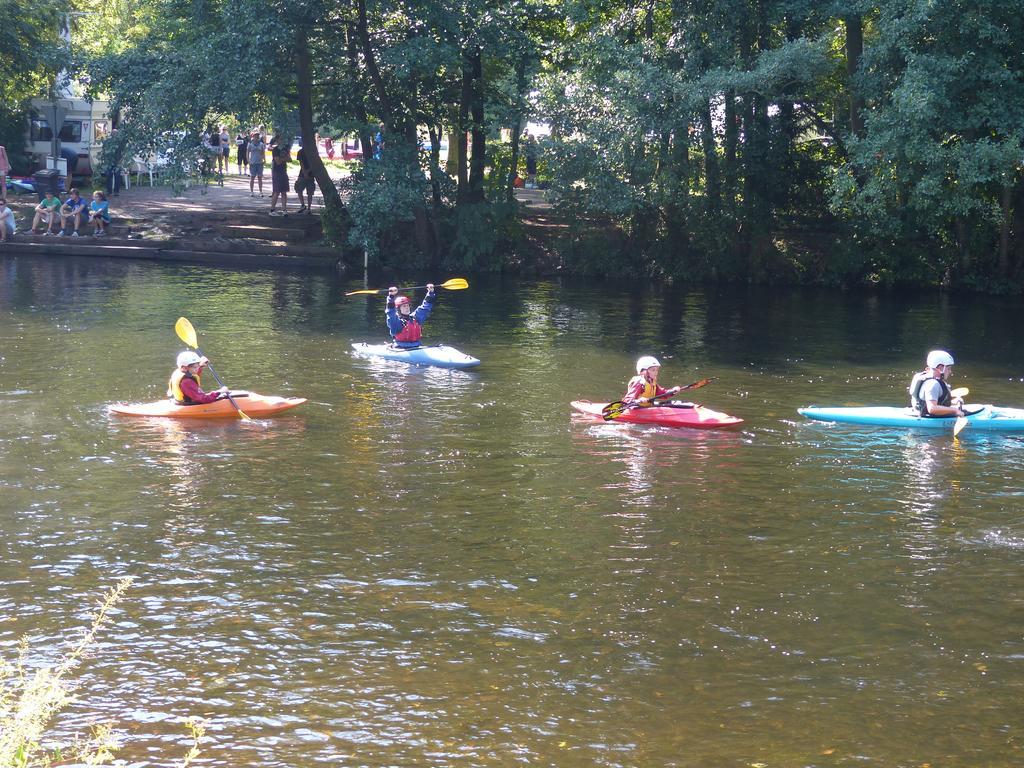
(400, 300)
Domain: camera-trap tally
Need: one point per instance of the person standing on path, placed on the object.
(280, 154)
(225, 148)
(5, 168)
(257, 156)
(305, 182)
(242, 144)
(530, 152)
(215, 152)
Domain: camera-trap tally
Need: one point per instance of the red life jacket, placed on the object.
(411, 330)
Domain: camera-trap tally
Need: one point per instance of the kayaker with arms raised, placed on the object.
(644, 385)
(929, 393)
(184, 384)
(404, 324)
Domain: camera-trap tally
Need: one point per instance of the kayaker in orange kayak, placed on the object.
(183, 386)
(644, 385)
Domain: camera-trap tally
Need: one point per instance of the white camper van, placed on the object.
(84, 125)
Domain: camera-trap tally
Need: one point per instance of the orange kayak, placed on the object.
(694, 417)
(254, 405)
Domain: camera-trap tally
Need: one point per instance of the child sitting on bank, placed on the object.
(99, 213)
(7, 224)
(48, 213)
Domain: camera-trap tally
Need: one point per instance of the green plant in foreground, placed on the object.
(30, 700)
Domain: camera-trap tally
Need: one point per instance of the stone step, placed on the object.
(321, 258)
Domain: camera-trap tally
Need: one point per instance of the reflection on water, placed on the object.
(428, 567)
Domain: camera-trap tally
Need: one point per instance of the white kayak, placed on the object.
(438, 355)
(992, 418)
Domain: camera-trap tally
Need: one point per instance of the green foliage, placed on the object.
(483, 233)
(701, 140)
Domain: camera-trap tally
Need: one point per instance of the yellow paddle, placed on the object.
(187, 334)
(455, 284)
(961, 421)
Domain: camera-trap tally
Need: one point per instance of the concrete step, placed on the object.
(320, 258)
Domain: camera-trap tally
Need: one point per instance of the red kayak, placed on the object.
(695, 417)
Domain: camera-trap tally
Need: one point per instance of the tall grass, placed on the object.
(30, 700)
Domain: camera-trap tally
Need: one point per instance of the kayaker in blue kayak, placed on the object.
(644, 385)
(404, 324)
(929, 393)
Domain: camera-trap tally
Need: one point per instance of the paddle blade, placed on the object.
(960, 392)
(961, 422)
(186, 332)
(367, 292)
(612, 410)
(455, 284)
(697, 384)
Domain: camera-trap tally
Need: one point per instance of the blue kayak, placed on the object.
(992, 418)
(437, 355)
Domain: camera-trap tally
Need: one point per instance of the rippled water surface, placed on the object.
(432, 568)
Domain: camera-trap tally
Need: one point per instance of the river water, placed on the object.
(433, 568)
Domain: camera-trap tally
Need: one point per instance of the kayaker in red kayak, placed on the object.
(929, 393)
(184, 387)
(644, 385)
(405, 325)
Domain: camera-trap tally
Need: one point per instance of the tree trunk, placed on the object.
(363, 30)
(731, 140)
(1004, 230)
(304, 86)
(854, 50)
(363, 132)
(712, 184)
(517, 130)
(462, 167)
(478, 158)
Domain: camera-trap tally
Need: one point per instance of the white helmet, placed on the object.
(646, 362)
(939, 357)
(188, 357)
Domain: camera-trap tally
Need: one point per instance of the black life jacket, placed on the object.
(946, 398)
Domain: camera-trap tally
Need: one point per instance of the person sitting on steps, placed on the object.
(74, 209)
(47, 212)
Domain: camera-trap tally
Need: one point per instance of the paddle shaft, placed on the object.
(455, 284)
(221, 383)
(612, 410)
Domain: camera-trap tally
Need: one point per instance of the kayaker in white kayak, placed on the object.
(404, 324)
(644, 385)
(184, 387)
(929, 393)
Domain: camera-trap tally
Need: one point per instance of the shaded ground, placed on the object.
(224, 224)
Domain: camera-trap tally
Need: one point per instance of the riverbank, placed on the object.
(223, 224)
(219, 224)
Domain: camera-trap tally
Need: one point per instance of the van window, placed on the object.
(40, 130)
(70, 132)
